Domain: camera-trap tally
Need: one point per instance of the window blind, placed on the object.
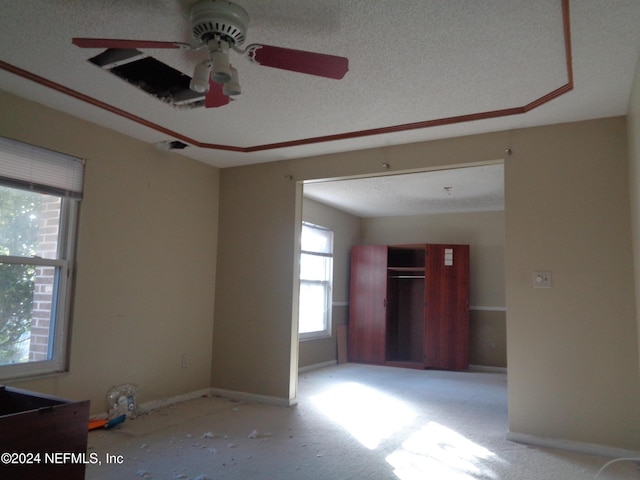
(316, 239)
(39, 169)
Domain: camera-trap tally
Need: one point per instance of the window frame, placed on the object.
(328, 288)
(63, 264)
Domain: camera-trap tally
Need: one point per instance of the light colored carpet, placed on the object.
(351, 422)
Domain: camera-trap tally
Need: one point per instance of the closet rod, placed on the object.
(407, 276)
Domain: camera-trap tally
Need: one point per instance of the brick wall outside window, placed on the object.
(43, 291)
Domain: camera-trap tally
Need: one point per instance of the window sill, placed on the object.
(25, 376)
(305, 337)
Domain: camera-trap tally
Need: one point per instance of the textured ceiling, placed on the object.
(410, 61)
(470, 189)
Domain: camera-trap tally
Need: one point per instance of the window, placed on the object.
(316, 273)
(39, 195)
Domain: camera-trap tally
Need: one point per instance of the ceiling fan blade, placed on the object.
(125, 44)
(214, 97)
(319, 64)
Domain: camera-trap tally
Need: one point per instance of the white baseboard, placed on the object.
(487, 308)
(316, 366)
(253, 397)
(146, 407)
(577, 447)
(486, 368)
(165, 402)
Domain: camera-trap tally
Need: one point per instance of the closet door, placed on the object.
(446, 336)
(367, 304)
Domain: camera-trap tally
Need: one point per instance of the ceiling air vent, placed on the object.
(171, 145)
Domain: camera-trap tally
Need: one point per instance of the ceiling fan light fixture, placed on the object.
(233, 86)
(200, 81)
(220, 68)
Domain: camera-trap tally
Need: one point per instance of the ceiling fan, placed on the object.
(220, 26)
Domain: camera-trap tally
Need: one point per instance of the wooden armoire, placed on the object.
(409, 306)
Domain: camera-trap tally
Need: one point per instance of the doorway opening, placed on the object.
(462, 205)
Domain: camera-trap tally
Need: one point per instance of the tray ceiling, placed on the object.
(413, 64)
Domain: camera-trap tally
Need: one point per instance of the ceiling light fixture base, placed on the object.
(218, 19)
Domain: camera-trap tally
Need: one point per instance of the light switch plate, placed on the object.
(542, 280)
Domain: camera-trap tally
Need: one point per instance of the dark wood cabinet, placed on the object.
(409, 306)
(367, 339)
(47, 431)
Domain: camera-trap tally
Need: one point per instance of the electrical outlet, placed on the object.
(185, 360)
(542, 280)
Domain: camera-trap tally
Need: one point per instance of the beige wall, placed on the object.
(255, 343)
(633, 133)
(145, 260)
(484, 232)
(255, 346)
(487, 338)
(346, 232)
(573, 351)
